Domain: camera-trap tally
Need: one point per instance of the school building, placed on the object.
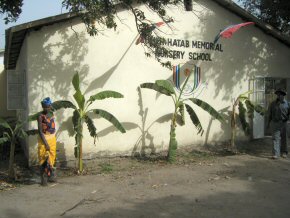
(42, 56)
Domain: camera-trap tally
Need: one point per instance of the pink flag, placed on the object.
(228, 32)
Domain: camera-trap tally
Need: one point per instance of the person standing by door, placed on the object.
(279, 112)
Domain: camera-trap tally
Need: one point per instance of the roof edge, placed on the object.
(268, 29)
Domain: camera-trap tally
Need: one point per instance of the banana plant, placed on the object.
(82, 113)
(11, 133)
(246, 109)
(166, 88)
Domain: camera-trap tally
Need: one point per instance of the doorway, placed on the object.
(264, 94)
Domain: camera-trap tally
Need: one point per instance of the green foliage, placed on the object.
(81, 114)
(57, 105)
(166, 88)
(106, 167)
(80, 99)
(91, 127)
(105, 94)
(10, 133)
(82, 111)
(156, 88)
(11, 8)
(194, 119)
(100, 14)
(242, 116)
(206, 107)
(106, 115)
(275, 13)
(3, 140)
(246, 112)
(165, 84)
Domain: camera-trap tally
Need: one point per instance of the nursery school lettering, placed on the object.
(174, 54)
(192, 44)
(193, 55)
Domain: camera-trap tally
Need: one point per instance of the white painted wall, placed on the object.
(111, 61)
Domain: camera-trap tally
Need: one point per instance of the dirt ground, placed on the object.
(203, 183)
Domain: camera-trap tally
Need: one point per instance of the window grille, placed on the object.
(16, 90)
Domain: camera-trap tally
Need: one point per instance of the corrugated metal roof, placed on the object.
(16, 35)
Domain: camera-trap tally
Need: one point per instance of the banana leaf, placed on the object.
(156, 88)
(4, 124)
(76, 120)
(76, 82)
(166, 85)
(194, 119)
(106, 115)
(242, 116)
(34, 117)
(259, 109)
(3, 140)
(205, 106)
(105, 94)
(32, 132)
(80, 99)
(91, 127)
(250, 109)
(62, 104)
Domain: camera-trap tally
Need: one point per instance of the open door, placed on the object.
(257, 85)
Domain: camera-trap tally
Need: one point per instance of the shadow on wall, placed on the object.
(245, 55)
(53, 63)
(54, 57)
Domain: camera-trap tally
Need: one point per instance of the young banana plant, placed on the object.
(165, 87)
(246, 109)
(82, 113)
(10, 134)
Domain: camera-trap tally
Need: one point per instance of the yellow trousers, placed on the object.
(43, 154)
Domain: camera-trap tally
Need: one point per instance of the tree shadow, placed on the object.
(239, 189)
(141, 147)
(225, 127)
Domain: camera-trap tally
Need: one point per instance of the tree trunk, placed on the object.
(81, 150)
(11, 160)
(81, 155)
(233, 127)
(171, 155)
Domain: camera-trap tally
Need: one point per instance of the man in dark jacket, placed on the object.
(279, 112)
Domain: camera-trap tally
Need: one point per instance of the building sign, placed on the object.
(183, 50)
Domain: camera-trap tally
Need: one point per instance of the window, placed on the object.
(16, 90)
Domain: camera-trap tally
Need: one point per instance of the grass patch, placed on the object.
(106, 167)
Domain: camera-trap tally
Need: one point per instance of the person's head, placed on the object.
(280, 94)
(46, 104)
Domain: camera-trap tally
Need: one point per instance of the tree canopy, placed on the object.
(274, 12)
(11, 9)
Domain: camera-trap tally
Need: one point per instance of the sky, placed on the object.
(32, 10)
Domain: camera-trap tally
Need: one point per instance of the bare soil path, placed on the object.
(200, 184)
